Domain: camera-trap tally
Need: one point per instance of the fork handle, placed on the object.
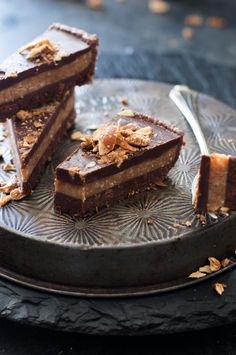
(184, 98)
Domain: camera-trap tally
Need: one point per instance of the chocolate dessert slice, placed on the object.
(41, 71)
(123, 156)
(216, 186)
(33, 136)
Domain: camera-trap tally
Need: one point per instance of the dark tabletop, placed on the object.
(138, 44)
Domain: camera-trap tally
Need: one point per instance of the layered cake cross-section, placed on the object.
(34, 135)
(41, 71)
(216, 185)
(124, 156)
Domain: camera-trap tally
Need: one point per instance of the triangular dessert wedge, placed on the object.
(42, 70)
(122, 157)
(34, 136)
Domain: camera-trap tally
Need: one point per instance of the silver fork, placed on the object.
(181, 95)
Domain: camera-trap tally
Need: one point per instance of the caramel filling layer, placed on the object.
(82, 192)
(217, 181)
(39, 81)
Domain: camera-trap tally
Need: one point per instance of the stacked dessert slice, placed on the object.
(37, 97)
(126, 155)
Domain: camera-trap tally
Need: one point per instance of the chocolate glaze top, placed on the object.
(70, 41)
(164, 137)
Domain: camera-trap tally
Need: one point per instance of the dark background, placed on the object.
(139, 44)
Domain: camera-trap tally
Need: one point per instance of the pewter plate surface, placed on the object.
(127, 223)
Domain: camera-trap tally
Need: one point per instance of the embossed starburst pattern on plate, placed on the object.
(149, 217)
(186, 167)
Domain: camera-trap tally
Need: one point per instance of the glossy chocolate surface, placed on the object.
(72, 41)
(164, 137)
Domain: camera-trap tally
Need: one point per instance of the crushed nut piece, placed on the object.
(226, 262)
(40, 50)
(124, 100)
(16, 194)
(201, 218)
(158, 6)
(206, 269)
(9, 185)
(219, 287)
(106, 113)
(4, 199)
(77, 136)
(95, 4)
(217, 22)
(196, 275)
(215, 264)
(193, 20)
(23, 115)
(188, 224)
(224, 210)
(8, 167)
(125, 112)
(12, 74)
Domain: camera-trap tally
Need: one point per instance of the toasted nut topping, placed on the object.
(219, 287)
(187, 33)
(124, 100)
(4, 199)
(224, 210)
(215, 264)
(196, 275)
(112, 142)
(95, 4)
(42, 50)
(77, 136)
(206, 269)
(9, 185)
(127, 113)
(158, 6)
(217, 22)
(23, 115)
(16, 194)
(11, 74)
(8, 167)
(193, 20)
(226, 262)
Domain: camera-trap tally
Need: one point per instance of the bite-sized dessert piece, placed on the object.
(216, 186)
(41, 71)
(34, 135)
(123, 156)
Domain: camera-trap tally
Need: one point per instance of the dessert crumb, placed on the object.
(226, 262)
(158, 6)
(95, 4)
(196, 275)
(216, 22)
(193, 20)
(187, 33)
(124, 100)
(8, 167)
(219, 287)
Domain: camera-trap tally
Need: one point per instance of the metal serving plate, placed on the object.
(139, 246)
